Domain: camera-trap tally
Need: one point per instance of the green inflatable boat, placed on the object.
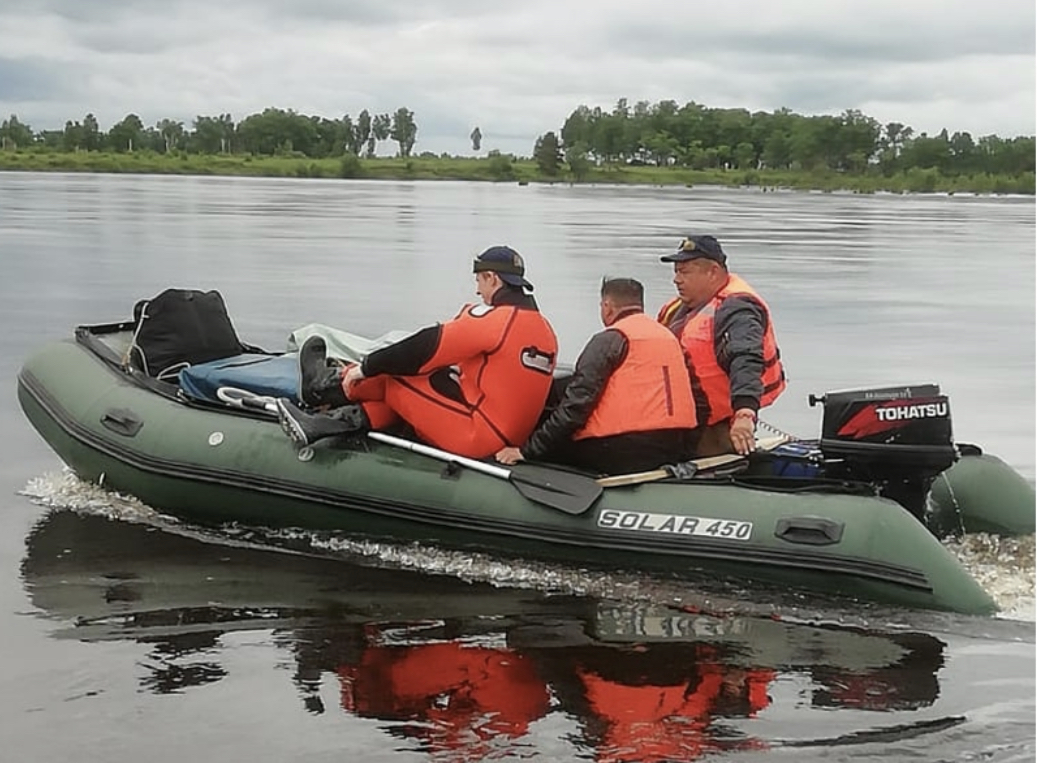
(855, 513)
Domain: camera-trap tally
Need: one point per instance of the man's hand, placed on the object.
(352, 375)
(509, 455)
(743, 431)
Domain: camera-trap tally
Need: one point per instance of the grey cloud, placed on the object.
(851, 46)
(518, 70)
(365, 13)
(27, 80)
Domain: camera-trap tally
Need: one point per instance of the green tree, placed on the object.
(361, 132)
(926, 152)
(228, 130)
(548, 154)
(745, 156)
(172, 133)
(14, 133)
(208, 135)
(91, 135)
(278, 131)
(381, 126)
(777, 151)
(577, 128)
(126, 135)
(963, 153)
(329, 137)
(51, 139)
(72, 136)
(404, 130)
(661, 147)
(578, 161)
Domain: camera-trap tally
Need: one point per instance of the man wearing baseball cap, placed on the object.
(472, 385)
(726, 332)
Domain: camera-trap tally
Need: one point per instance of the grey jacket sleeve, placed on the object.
(605, 351)
(738, 333)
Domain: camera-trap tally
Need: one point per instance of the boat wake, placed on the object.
(64, 490)
(1003, 566)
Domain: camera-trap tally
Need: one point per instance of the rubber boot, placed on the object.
(306, 428)
(319, 384)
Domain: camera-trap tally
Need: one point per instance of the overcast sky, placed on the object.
(518, 69)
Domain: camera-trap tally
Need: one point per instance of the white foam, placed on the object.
(65, 490)
(1004, 567)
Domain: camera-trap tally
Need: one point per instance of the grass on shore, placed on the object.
(499, 169)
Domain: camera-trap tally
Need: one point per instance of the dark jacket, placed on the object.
(629, 452)
(739, 328)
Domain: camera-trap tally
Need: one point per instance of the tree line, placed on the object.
(662, 134)
(271, 132)
(697, 137)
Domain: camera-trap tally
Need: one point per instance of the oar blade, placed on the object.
(565, 491)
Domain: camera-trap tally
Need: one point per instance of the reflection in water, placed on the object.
(460, 670)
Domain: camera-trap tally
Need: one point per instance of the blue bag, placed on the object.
(273, 375)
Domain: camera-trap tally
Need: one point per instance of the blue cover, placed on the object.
(275, 375)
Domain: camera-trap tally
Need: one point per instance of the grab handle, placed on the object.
(809, 531)
(122, 421)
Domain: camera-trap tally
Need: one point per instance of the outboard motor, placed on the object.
(896, 437)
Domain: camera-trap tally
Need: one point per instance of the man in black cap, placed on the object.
(472, 385)
(726, 332)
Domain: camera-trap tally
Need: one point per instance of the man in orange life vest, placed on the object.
(727, 334)
(628, 406)
(472, 385)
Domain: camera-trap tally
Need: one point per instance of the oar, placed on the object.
(684, 470)
(565, 491)
(687, 469)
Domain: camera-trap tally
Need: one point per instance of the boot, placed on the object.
(319, 384)
(306, 428)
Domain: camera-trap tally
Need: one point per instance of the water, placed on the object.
(129, 635)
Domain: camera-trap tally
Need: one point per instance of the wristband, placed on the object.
(745, 413)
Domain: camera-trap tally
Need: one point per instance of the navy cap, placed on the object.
(697, 247)
(505, 262)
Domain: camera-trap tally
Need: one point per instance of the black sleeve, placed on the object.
(603, 354)
(405, 357)
(738, 332)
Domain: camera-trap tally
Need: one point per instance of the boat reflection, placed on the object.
(462, 668)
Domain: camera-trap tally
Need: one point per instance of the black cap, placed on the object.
(697, 247)
(505, 262)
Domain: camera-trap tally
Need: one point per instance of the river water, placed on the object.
(130, 637)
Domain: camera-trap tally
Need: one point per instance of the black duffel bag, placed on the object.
(179, 328)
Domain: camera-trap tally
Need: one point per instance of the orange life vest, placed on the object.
(650, 390)
(505, 358)
(710, 383)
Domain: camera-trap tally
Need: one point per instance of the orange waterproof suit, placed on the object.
(472, 385)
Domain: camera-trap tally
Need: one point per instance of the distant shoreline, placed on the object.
(500, 168)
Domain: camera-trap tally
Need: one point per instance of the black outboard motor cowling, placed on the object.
(897, 437)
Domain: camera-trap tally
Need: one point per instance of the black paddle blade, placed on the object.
(565, 491)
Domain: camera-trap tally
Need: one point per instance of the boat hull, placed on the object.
(213, 467)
